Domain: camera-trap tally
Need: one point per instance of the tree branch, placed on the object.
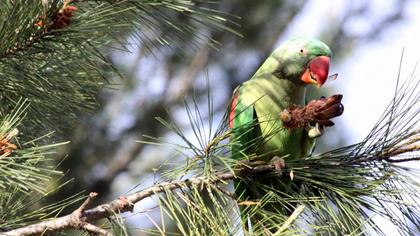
(81, 218)
(75, 220)
(61, 19)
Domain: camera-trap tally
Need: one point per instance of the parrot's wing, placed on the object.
(243, 124)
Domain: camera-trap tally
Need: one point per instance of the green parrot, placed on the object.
(256, 104)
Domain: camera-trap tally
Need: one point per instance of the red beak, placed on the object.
(317, 71)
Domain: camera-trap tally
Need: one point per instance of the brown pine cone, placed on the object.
(316, 111)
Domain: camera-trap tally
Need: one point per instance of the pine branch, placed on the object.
(24, 166)
(56, 54)
(82, 218)
(74, 220)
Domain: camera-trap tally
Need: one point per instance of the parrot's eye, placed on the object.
(301, 50)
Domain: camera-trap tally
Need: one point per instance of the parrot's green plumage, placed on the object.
(257, 103)
(278, 83)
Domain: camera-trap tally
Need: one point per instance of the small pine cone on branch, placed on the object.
(61, 19)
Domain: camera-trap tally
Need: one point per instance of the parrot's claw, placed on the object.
(316, 131)
(279, 165)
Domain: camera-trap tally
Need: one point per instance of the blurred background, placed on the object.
(367, 39)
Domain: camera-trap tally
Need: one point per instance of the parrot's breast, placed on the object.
(271, 96)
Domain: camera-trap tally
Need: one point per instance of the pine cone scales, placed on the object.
(318, 111)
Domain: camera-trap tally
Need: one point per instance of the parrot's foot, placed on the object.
(124, 203)
(279, 165)
(316, 131)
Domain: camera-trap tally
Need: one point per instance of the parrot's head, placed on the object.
(303, 59)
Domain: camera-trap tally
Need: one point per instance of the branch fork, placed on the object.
(75, 220)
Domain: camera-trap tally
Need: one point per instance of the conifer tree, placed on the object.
(53, 62)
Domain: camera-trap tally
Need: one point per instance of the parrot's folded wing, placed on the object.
(242, 121)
